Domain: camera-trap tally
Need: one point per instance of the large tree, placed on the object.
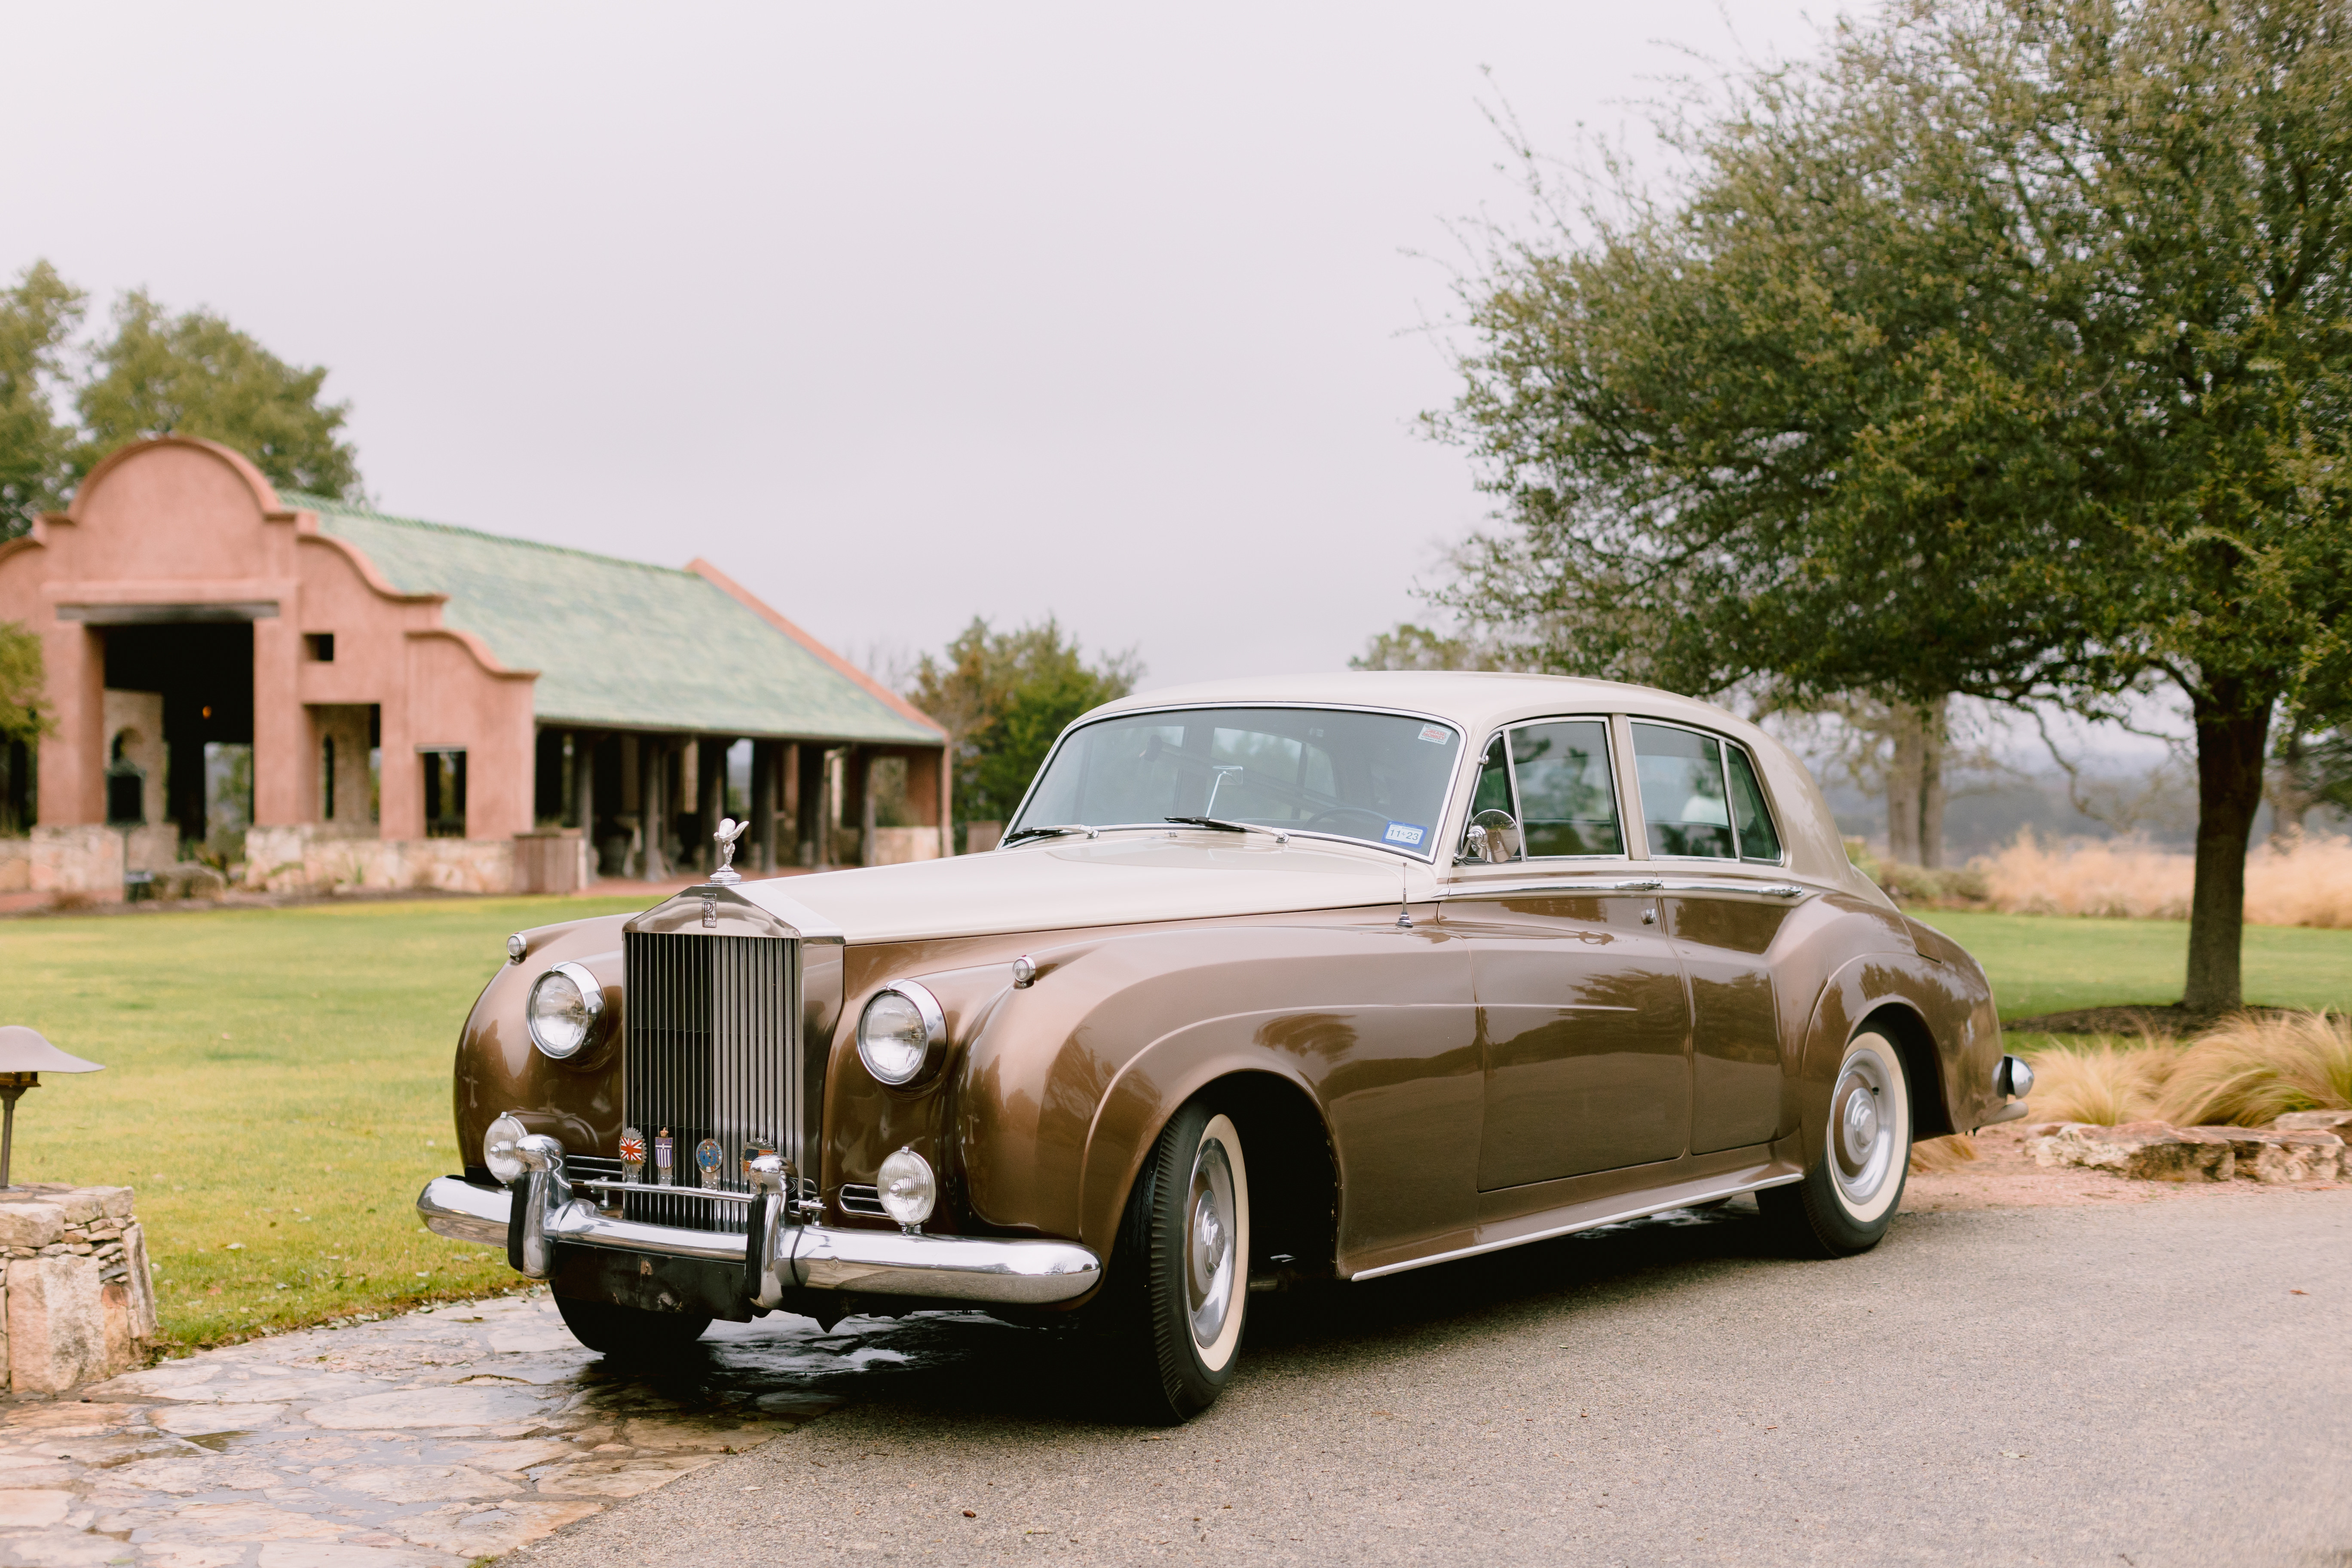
(38, 318)
(1996, 355)
(195, 374)
(1004, 695)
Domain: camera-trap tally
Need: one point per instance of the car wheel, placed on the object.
(1181, 1271)
(1849, 1197)
(630, 1332)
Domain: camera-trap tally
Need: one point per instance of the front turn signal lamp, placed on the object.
(907, 1188)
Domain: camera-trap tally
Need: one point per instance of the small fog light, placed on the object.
(498, 1151)
(909, 1189)
(518, 948)
(2014, 1078)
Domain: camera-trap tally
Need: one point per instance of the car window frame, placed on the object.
(1454, 786)
(1723, 766)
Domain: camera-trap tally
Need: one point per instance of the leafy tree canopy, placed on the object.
(1004, 695)
(196, 375)
(193, 374)
(2005, 353)
(38, 318)
(21, 683)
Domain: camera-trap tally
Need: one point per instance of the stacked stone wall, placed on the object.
(77, 1298)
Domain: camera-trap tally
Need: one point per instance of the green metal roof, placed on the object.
(617, 643)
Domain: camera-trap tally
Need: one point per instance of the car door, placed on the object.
(1583, 1025)
(1712, 841)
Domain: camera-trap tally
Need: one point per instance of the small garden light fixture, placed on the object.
(25, 1056)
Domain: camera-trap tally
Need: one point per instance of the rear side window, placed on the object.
(1757, 839)
(1700, 797)
(1567, 801)
(1683, 795)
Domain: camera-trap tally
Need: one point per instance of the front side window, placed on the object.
(1694, 787)
(1380, 778)
(1567, 802)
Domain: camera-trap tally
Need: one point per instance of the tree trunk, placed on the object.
(2233, 736)
(1902, 780)
(1934, 738)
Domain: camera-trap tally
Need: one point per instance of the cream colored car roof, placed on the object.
(1481, 702)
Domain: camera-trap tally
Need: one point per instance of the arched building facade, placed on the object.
(376, 702)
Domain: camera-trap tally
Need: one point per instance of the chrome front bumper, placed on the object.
(789, 1256)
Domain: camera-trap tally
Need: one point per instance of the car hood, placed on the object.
(1120, 878)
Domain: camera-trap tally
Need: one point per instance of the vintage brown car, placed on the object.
(1271, 982)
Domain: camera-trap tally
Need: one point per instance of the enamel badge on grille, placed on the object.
(752, 1151)
(709, 1161)
(633, 1154)
(664, 1160)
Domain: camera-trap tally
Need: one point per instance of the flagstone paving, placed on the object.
(423, 1441)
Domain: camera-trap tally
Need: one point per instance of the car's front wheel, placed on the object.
(1848, 1199)
(630, 1332)
(1179, 1288)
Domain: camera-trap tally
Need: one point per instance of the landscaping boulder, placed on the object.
(2268, 1154)
(2337, 1122)
(2146, 1151)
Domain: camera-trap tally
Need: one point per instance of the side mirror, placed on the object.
(1492, 837)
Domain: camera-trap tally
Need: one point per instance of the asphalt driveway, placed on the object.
(2159, 1383)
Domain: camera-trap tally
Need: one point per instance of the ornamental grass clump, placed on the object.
(2249, 1069)
(2106, 1080)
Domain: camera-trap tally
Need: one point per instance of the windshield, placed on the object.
(1377, 777)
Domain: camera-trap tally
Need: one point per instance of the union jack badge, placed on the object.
(707, 1161)
(665, 1158)
(633, 1154)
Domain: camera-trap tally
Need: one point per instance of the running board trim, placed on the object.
(1703, 1195)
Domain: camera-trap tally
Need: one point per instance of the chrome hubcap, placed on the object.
(1864, 1147)
(1209, 1262)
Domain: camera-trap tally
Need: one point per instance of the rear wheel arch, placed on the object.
(1923, 1068)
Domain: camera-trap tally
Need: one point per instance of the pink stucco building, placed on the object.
(389, 702)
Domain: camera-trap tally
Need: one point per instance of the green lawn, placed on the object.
(276, 1086)
(277, 1080)
(2056, 964)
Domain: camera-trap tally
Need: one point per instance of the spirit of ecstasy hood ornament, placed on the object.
(730, 830)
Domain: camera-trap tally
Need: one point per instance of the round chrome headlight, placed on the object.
(498, 1149)
(900, 1032)
(564, 1005)
(909, 1189)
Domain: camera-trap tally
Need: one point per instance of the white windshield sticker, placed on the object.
(1436, 735)
(1404, 832)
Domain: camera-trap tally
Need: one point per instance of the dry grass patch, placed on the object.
(2245, 1071)
(1943, 1153)
(2308, 882)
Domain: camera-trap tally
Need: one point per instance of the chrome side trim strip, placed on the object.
(947, 1267)
(1597, 886)
(1702, 1196)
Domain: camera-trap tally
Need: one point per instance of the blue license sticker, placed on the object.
(1404, 832)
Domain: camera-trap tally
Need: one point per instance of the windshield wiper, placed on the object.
(1226, 825)
(1057, 831)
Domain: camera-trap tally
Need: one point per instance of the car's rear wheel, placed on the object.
(630, 1332)
(1848, 1199)
(1178, 1285)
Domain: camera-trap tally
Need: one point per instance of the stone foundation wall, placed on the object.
(77, 1301)
(77, 859)
(307, 858)
(15, 865)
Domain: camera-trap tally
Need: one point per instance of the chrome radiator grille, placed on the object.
(712, 1049)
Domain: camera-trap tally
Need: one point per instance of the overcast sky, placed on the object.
(900, 314)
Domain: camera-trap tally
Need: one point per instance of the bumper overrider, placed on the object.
(780, 1251)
